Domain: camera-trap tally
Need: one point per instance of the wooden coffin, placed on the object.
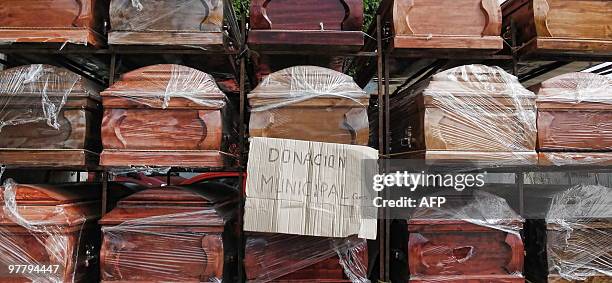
(450, 245)
(459, 26)
(472, 112)
(561, 27)
(299, 259)
(51, 117)
(574, 114)
(50, 226)
(175, 22)
(60, 21)
(306, 24)
(170, 234)
(164, 115)
(309, 103)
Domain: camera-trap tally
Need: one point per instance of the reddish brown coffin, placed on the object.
(168, 234)
(73, 21)
(294, 258)
(574, 119)
(51, 225)
(476, 28)
(174, 22)
(313, 24)
(51, 117)
(164, 115)
(310, 103)
(561, 27)
(472, 112)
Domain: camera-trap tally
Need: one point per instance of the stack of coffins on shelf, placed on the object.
(49, 233)
(560, 27)
(476, 29)
(310, 103)
(165, 115)
(183, 234)
(575, 120)
(59, 21)
(472, 112)
(469, 239)
(573, 243)
(306, 24)
(49, 116)
(209, 23)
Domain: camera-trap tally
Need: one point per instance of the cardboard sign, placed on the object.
(309, 188)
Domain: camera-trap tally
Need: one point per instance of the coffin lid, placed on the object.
(302, 83)
(32, 85)
(576, 88)
(195, 205)
(164, 86)
(580, 205)
(49, 195)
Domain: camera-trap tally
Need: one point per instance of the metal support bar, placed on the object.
(105, 177)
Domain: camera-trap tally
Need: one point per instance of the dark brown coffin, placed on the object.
(309, 103)
(459, 26)
(164, 115)
(60, 21)
(574, 119)
(472, 112)
(175, 234)
(300, 259)
(66, 234)
(32, 99)
(174, 22)
(561, 27)
(306, 24)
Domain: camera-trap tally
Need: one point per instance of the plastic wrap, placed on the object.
(272, 257)
(574, 114)
(470, 112)
(310, 103)
(579, 237)
(171, 234)
(46, 243)
(176, 22)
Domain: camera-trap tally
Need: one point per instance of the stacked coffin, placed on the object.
(165, 115)
(176, 22)
(472, 112)
(574, 120)
(560, 27)
(477, 28)
(306, 24)
(49, 116)
(61, 21)
(470, 239)
(171, 234)
(49, 232)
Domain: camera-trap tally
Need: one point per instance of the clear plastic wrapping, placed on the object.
(171, 234)
(278, 257)
(468, 112)
(574, 114)
(579, 233)
(310, 103)
(48, 234)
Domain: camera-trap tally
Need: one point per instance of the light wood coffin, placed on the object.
(175, 22)
(575, 119)
(561, 27)
(49, 116)
(52, 228)
(472, 112)
(164, 115)
(309, 103)
(170, 234)
(306, 24)
(458, 26)
(58, 21)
